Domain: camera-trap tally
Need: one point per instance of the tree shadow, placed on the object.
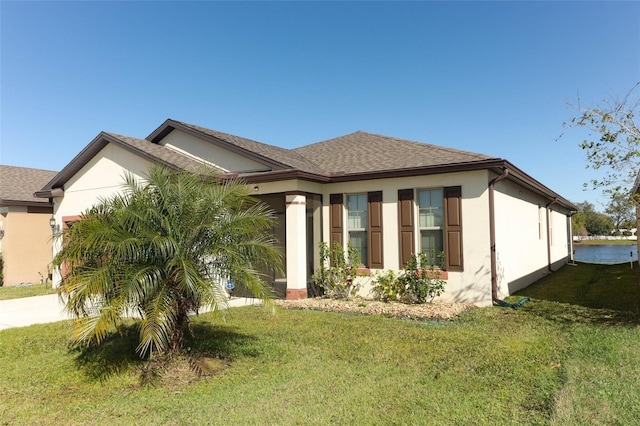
(570, 314)
(588, 293)
(116, 354)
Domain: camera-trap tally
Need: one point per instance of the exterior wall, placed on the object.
(101, 177)
(521, 237)
(26, 245)
(212, 154)
(471, 285)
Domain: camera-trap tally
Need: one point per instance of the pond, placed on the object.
(606, 253)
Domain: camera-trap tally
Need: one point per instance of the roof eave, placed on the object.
(515, 174)
(35, 203)
(495, 165)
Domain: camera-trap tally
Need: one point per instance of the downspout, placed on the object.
(492, 235)
(555, 200)
(571, 251)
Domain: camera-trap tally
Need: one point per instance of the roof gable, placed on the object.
(140, 147)
(276, 158)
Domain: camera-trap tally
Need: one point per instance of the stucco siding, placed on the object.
(522, 250)
(212, 154)
(26, 246)
(474, 283)
(101, 177)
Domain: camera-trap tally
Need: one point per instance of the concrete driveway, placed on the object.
(48, 308)
(31, 310)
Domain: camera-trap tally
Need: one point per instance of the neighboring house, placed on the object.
(499, 228)
(25, 240)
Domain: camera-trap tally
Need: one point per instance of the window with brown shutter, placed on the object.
(406, 225)
(453, 228)
(439, 225)
(374, 201)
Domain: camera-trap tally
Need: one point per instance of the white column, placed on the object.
(296, 246)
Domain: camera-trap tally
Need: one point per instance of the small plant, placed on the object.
(419, 282)
(421, 279)
(338, 271)
(1, 270)
(387, 287)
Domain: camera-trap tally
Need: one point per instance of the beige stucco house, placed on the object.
(500, 228)
(25, 234)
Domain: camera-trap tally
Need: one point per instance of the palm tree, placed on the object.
(159, 250)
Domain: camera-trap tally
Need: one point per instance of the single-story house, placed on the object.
(25, 234)
(500, 229)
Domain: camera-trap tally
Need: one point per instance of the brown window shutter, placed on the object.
(453, 228)
(374, 205)
(335, 219)
(406, 225)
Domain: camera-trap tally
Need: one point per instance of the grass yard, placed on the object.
(549, 362)
(16, 292)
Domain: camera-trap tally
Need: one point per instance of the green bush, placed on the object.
(338, 271)
(419, 282)
(387, 287)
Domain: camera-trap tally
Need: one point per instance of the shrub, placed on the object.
(419, 282)
(387, 287)
(1, 270)
(338, 271)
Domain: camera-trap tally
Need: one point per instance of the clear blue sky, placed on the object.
(489, 77)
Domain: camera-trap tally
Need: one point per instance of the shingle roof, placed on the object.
(285, 158)
(158, 152)
(363, 152)
(17, 185)
(358, 155)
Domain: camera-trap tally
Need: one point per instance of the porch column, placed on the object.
(296, 247)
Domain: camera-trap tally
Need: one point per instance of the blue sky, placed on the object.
(489, 77)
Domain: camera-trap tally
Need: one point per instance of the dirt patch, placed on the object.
(182, 371)
(419, 312)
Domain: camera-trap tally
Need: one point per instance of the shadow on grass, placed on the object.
(593, 293)
(570, 315)
(117, 353)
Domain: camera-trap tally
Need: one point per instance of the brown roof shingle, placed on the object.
(284, 158)
(17, 185)
(363, 152)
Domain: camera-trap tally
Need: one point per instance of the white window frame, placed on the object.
(364, 251)
(421, 228)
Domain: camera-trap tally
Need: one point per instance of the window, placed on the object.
(363, 225)
(439, 224)
(430, 223)
(357, 220)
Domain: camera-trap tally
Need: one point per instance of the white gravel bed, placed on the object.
(421, 312)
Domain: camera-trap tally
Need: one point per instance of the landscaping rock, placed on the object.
(420, 312)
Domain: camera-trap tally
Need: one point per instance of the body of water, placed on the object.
(606, 253)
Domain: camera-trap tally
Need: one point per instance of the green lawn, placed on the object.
(549, 362)
(16, 292)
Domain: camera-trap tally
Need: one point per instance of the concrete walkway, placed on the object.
(48, 308)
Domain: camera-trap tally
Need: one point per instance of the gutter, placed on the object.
(492, 235)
